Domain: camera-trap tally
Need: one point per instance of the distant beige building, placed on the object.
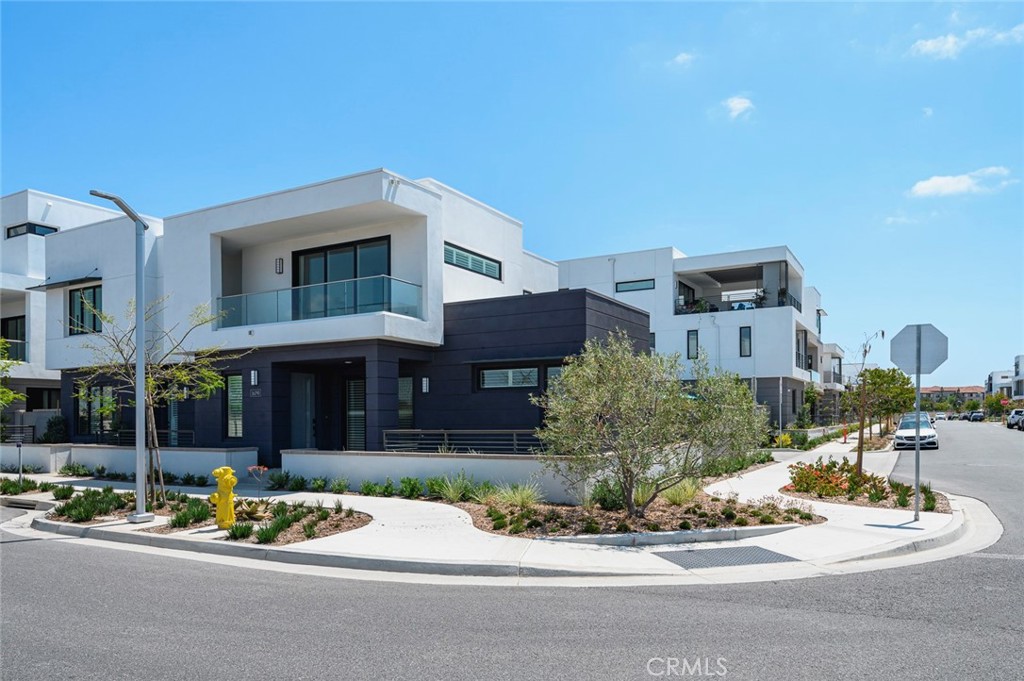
(963, 392)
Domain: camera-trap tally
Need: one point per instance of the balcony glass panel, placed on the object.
(17, 350)
(316, 301)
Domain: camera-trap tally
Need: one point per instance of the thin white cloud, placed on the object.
(943, 47)
(682, 59)
(950, 46)
(738, 106)
(927, 111)
(978, 182)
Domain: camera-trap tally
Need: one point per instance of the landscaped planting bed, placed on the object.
(838, 482)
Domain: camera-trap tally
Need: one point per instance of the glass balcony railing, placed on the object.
(17, 350)
(316, 301)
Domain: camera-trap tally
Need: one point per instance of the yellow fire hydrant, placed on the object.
(224, 497)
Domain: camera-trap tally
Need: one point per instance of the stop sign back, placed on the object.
(934, 348)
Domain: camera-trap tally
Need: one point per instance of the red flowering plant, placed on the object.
(257, 472)
(830, 479)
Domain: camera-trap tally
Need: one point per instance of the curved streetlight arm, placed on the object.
(120, 204)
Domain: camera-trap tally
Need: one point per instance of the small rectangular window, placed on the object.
(554, 373)
(640, 285)
(83, 306)
(29, 228)
(520, 377)
(691, 344)
(744, 341)
(652, 342)
(233, 411)
(474, 262)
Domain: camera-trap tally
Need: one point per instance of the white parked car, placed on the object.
(940, 416)
(1014, 418)
(906, 434)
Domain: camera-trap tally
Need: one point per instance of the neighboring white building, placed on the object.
(30, 221)
(750, 311)
(1000, 382)
(1018, 377)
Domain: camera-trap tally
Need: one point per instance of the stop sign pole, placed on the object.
(921, 349)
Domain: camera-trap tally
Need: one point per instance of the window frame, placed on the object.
(750, 341)
(481, 256)
(508, 371)
(238, 431)
(76, 323)
(692, 344)
(624, 286)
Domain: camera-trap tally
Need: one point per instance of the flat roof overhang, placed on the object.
(48, 285)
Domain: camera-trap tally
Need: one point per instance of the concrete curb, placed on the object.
(27, 504)
(352, 562)
(952, 531)
(674, 537)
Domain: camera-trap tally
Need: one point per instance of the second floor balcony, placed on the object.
(316, 301)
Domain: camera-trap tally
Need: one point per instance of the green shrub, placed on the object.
(280, 509)
(339, 485)
(99, 471)
(683, 492)
(56, 430)
(188, 480)
(296, 484)
(322, 514)
(371, 489)
(608, 495)
(523, 496)
(74, 470)
(198, 510)
(457, 489)
(309, 530)
(388, 488)
(533, 523)
(702, 514)
(729, 514)
(500, 523)
(590, 526)
(170, 478)
(180, 519)
(267, 534)
(46, 486)
(516, 527)
(799, 439)
(623, 527)
(318, 484)
(712, 522)
(350, 512)
(485, 493)
(741, 521)
(652, 527)
(433, 486)
(552, 516)
(202, 480)
(929, 498)
(804, 515)
(903, 497)
(642, 492)
(278, 480)
(240, 531)
(767, 519)
(686, 525)
(339, 508)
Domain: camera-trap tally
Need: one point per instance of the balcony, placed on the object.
(317, 301)
(17, 350)
(833, 377)
(722, 303)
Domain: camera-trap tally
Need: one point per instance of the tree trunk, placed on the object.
(860, 436)
(151, 423)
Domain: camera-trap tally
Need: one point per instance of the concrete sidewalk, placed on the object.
(426, 538)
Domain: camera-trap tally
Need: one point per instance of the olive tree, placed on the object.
(626, 417)
(174, 370)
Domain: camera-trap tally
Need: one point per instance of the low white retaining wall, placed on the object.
(177, 460)
(50, 458)
(376, 466)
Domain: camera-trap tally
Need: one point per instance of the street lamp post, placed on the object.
(140, 515)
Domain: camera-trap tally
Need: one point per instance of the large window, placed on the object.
(96, 409)
(640, 285)
(233, 406)
(474, 262)
(336, 280)
(692, 345)
(29, 228)
(744, 341)
(83, 304)
(406, 417)
(13, 330)
(42, 398)
(520, 377)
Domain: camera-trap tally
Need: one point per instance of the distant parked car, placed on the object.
(940, 416)
(966, 416)
(1014, 417)
(906, 434)
(977, 416)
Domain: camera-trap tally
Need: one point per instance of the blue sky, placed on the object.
(883, 143)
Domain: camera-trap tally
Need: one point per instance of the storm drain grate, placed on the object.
(724, 557)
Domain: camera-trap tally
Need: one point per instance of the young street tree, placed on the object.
(173, 371)
(7, 395)
(625, 417)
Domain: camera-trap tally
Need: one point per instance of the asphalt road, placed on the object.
(82, 612)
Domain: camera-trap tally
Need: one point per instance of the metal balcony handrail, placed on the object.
(462, 441)
(17, 350)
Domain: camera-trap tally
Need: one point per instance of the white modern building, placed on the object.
(750, 312)
(1000, 383)
(338, 289)
(30, 221)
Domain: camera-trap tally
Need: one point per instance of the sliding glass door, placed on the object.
(334, 280)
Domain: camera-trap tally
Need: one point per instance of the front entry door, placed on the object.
(303, 411)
